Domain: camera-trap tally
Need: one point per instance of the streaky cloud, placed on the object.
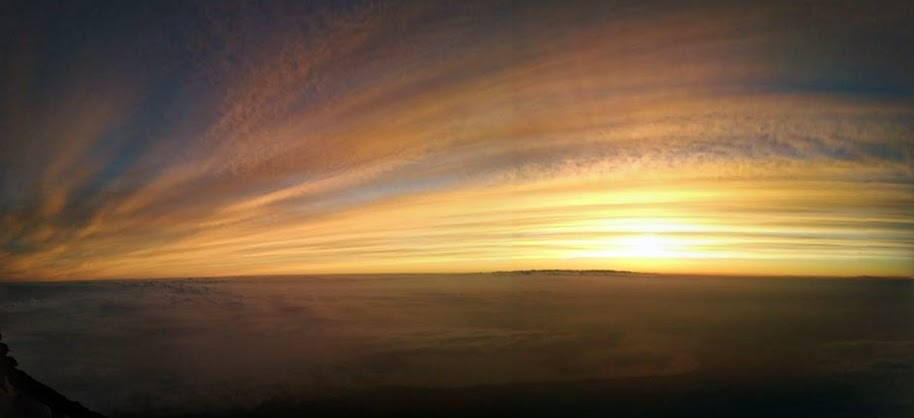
(407, 136)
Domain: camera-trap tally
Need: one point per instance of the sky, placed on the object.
(173, 139)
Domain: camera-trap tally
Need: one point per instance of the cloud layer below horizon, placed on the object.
(262, 138)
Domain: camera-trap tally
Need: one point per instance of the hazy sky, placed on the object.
(149, 139)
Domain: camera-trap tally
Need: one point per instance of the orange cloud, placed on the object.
(410, 138)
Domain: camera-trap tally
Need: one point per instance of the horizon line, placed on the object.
(472, 273)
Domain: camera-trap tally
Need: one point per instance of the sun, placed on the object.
(646, 246)
(639, 240)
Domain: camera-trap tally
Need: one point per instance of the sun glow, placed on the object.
(646, 246)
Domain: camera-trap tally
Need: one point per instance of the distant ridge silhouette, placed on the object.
(565, 271)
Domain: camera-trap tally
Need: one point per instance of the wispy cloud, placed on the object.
(261, 138)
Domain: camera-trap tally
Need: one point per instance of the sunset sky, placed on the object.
(171, 139)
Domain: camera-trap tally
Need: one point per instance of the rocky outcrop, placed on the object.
(21, 396)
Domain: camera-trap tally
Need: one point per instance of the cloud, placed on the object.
(196, 344)
(870, 356)
(259, 138)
